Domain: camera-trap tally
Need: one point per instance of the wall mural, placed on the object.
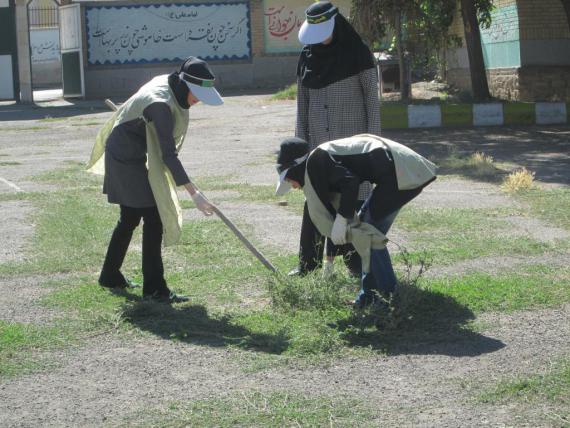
(167, 33)
(44, 45)
(282, 20)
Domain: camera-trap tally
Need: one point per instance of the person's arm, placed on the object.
(329, 175)
(159, 113)
(302, 125)
(369, 82)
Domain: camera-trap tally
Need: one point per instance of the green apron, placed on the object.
(161, 182)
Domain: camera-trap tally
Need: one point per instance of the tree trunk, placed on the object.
(566, 4)
(404, 83)
(479, 82)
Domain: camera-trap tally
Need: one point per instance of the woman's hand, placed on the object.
(202, 203)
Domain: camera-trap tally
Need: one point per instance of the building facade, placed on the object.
(526, 52)
(121, 45)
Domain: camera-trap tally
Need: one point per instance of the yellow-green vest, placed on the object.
(161, 182)
(412, 171)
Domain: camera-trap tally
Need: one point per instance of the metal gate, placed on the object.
(9, 82)
(71, 52)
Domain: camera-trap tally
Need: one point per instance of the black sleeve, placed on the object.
(159, 114)
(328, 175)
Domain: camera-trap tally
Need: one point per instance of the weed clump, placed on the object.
(482, 164)
(311, 292)
(476, 164)
(519, 180)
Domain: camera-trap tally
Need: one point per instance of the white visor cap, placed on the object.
(311, 34)
(283, 186)
(208, 95)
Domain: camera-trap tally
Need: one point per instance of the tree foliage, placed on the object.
(421, 28)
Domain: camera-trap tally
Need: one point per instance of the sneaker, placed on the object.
(171, 297)
(123, 285)
(297, 272)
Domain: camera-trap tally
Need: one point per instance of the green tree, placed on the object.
(474, 14)
(420, 29)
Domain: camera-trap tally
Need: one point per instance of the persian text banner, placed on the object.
(166, 33)
(282, 20)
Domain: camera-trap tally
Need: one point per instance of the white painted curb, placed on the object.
(488, 114)
(424, 116)
(550, 113)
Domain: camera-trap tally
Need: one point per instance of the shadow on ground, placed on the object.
(193, 324)
(22, 112)
(542, 149)
(423, 323)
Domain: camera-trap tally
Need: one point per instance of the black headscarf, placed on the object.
(297, 173)
(180, 89)
(320, 65)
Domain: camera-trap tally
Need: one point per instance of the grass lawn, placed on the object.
(258, 409)
(268, 319)
(552, 388)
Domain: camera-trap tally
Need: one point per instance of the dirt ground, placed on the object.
(421, 385)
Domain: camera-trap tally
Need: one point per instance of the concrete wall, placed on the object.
(272, 63)
(101, 82)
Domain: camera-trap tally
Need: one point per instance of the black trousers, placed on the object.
(311, 248)
(152, 268)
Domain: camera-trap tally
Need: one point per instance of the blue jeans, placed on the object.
(381, 277)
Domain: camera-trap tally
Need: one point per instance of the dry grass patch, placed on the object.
(521, 179)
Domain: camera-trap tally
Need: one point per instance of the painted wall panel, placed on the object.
(282, 20)
(44, 45)
(167, 33)
(501, 41)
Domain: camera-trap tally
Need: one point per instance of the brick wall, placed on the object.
(544, 83)
(256, 10)
(504, 83)
(544, 19)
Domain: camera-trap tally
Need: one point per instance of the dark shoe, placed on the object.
(171, 297)
(364, 301)
(123, 285)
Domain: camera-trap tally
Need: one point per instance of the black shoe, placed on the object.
(171, 297)
(122, 286)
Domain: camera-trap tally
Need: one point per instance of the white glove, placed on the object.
(202, 203)
(338, 233)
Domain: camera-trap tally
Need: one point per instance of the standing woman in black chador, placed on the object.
(337, 97)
